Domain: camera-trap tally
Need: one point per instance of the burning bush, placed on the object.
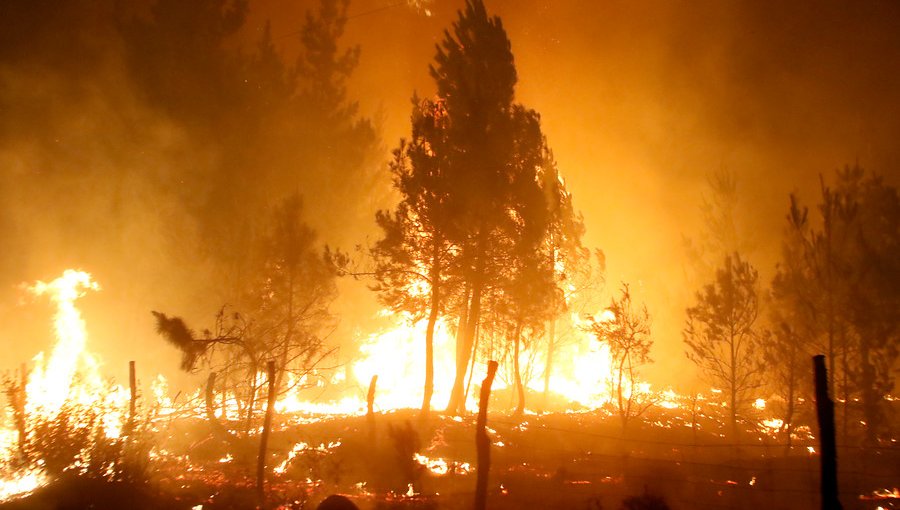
(84, 440)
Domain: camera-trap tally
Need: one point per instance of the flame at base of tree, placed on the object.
(66, 390)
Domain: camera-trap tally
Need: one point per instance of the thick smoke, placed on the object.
(640, 102)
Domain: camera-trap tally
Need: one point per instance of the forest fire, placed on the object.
(67, 382)
(104, 408)
(454, 255)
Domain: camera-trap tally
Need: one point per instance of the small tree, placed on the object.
(720, 333)
(413, 257)
(793, 323)
(626, 330)
(285, 316)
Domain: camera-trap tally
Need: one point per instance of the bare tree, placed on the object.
(721, 333)
(285, 318)
(626, 330)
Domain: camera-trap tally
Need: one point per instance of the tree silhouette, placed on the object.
(283, 316)
(839, 281)
(721, 333)
(570, 261)
(413, 258)
(264, 128)
(793, 320)
(480, 197)
(488, 140)
(338, 152)
(722, 231)
(626, 330)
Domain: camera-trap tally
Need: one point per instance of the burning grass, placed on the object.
(76, 441)
(556, 460)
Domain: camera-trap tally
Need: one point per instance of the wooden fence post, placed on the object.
(370, 408)
(827, 446)
(132, 385)
(264, 437)
(482, 441)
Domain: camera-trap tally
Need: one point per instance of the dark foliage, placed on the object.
(178, 334)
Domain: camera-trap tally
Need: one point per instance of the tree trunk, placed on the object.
(21, 400)
(482, 441)
(464, 352)
(620, 399)
(264, 437)
(520, 388)
(132, 403)
(473, 357)
(845, 390)
(732, 385)
(734, 426)
(869, 396)
(218, 429)
(288, 335)
(429, 352)
(788, 427)
(548, 366)
(370, 409)
(251, 402)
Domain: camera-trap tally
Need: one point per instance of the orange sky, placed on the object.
(641, 100)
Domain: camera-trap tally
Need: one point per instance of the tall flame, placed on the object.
(50, 383)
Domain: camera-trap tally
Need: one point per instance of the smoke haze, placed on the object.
(640, 103)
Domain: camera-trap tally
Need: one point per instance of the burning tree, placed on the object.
(413, 259)
(626, 330)
(721, 333)
(285, 319)
(570, 261)
(473, 218)
(481, 154)
(475, 76)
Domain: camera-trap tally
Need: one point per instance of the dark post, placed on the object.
(132, 385)
(827, 446)
(264, 437)
(482, 441)
(370, 408)
(370, 397)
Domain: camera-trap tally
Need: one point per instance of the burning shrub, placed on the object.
(66, 439)
(313, 462)
(77, 440)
